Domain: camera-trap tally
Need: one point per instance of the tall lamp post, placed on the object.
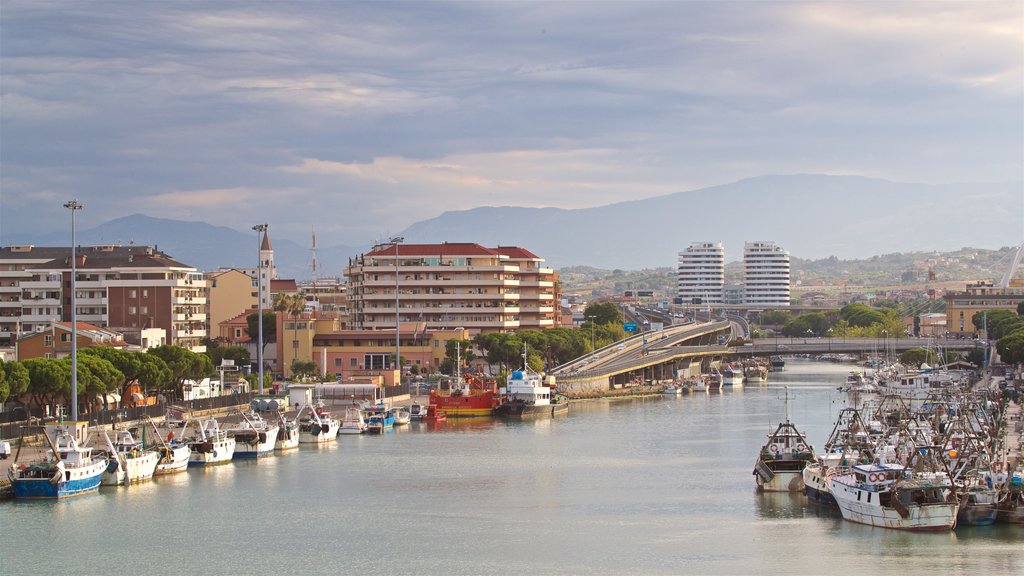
(74, 206)
(829, 332)
(885, 343)
(260, 229)
(398, 330)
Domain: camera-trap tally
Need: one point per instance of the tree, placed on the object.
(1020, 309)
(1004, 325)
(269, 328)
(218, 354)
(815, 322)
(303, 368)
(291, 304)
(96, 378)
(975, 356)
(458, 348)
(15, 377)
(994, 317)
(184, 365)
(861, 315)
(1011, 347)
(48, 378)
(775, 317)
(603, 313)
(917, 356)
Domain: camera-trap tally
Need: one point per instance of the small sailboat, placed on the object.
(128, 460)
(212, 445)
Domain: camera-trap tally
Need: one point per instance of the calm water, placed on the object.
(650, 486)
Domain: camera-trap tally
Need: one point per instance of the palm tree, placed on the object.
(292, 305)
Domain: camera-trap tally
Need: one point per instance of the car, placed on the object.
(783, 347)
(620, 347)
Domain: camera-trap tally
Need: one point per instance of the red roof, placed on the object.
(444, 249)
(516, 252)
(283, 286)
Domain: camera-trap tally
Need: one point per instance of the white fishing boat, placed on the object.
(402, 416)
(732, 376)
(316, 425)
(888, 494)
(174, 457)
(353, 422)
(417, 411)
(287, 435)
(67, 469)
(529, 396)
(128, 461)
(212, 445)
(781, 461)
(672, 390)
(848, 441)
(254, 436)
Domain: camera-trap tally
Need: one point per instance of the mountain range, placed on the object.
(811, 216)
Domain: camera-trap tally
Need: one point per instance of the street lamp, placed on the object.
(829, 332)
(74, 206)
(809, 333)
(398, 335)
(260, 229)
(591, 319)
(885, 343)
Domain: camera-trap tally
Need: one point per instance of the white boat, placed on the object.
(781, 461)
(174, 457)
(732, 376)
(529, 396)
(672, 391)
(353, 423)
(847, 442)
(287, 435)
(402, 416)
(316, 425)
(212, 445)
(417, 411)
(67, 469)
(128, 460)
(888, 494)
(254, 436)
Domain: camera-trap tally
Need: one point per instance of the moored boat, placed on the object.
(287, 434)
(782, 459)
(402, 416)
(128, 461)
(354, 422)
(318, 426)
(211, 445)
(417, 411)
(379, 418)
(434, 416)
(475, 397)
(67, 469)
(732, 376)
(528, 396)
(254, 436)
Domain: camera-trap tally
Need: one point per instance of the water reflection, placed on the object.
(780, 505)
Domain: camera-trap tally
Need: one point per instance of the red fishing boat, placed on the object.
(474, 396)
(433, 415)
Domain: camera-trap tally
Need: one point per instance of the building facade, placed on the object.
(232, 292)
(977, 297)
(126, 288)
(701, 273)
(55, 341)
(447, 286)
(766, 275)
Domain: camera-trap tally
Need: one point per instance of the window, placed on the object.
(352, 362)
(133, 310)
(337, 362)
(238, 332)
(132, 294)
(48, 340)
(145, 293)
(145, 309)
(65, 337)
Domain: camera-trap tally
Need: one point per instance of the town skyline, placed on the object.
(359, 120)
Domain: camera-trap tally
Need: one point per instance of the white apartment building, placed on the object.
(766, 277)
(450, 285)
(701, 273)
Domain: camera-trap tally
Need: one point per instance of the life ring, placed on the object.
(997, 466)
(873, 477)
(773, 448)
(800, 447)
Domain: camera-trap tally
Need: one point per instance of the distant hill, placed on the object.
(811, 216)
(814, 217)
(204, 246)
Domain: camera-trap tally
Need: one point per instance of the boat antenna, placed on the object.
(524, 356)
(786, 388)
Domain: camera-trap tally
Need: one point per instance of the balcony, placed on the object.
(40, 285)
(40, 318)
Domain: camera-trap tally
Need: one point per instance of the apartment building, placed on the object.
(701, 273)
(125, 288)
(766, 277)
(232, 292)
(55, 341)
(450, 285)
(961, 306)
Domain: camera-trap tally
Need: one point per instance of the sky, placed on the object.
(359, 119)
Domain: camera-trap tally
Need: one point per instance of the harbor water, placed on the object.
(637, 486)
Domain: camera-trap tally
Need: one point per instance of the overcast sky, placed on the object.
(359, 119)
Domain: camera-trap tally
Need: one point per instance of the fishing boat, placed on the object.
(254, 436)
(378, 418)
(174, 457)
(781, 461)
(732, 376)
(67, 469)
(402, 416)
(777, 364)
(848, 442)
(713, 380)
(316, 425)
(128, 461)
(1010, 506)
(528, 396)
(417, 411)
(473, 396)
(434, 416)
(211, 445)
(287, 434)
(755, 372)
(672, 390)
(353, 422)
(888, 494)
(977, 506)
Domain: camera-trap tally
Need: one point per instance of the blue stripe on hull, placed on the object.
(254, 454)
(40, 488)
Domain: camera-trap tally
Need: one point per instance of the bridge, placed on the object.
(691, 349)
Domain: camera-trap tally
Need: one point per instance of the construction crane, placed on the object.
(1008, 275)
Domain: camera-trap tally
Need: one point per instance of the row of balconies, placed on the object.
(435, 297)
(425, 269)
(437, 309)
(390, 282)
(449, 323)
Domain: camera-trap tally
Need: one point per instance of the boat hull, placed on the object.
(937, 517)
(287, 440)
(323, 435)
(77, 482)
(524, 411)
(816, 486)
(260, 446)
(220, 452)
(472, 405)
(787, 481)
(175, 462)
(131, 470)
(977, 515)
